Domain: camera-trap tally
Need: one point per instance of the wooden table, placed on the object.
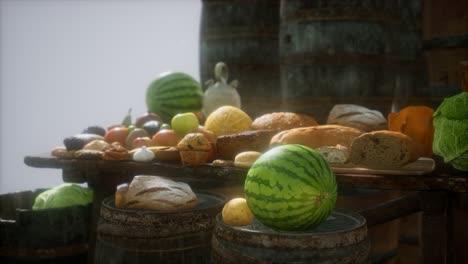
(436, 194)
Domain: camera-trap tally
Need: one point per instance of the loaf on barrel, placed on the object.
(317, 136)
(383, 149)
(156, 193)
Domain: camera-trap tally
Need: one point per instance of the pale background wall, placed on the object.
(68, 64)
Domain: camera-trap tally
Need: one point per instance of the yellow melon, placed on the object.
(236, 212)
(228, 120)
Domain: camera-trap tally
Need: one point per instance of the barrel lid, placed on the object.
(341, 227)
(206, 200)
(338, 221)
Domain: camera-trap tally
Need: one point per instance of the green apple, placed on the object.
(184, 123)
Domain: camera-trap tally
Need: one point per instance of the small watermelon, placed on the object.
(291, 187)
(173, 93)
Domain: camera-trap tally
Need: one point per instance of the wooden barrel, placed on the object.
(244, 35)
(412, 75)
(43, 236)
(445, 44)
(138, 236)
(339, 51)
(384, 237)
(342, 238)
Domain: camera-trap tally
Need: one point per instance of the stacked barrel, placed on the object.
(306, 56)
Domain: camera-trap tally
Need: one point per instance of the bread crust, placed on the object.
(384, 149)
(317, 136)
(283, 121)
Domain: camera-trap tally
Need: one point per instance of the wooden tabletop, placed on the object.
(101, 171)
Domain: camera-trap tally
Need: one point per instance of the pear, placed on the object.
(127, 121)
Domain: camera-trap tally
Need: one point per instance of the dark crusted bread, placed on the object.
(383, 149)
(229, 146)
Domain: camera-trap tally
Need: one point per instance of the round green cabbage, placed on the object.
(451, 131)
(64, 195)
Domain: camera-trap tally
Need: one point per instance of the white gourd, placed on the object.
(220, 93)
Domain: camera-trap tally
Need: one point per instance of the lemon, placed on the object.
(228, 120)
(236, 212)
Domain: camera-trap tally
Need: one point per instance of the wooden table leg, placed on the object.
(104, 185)
(434, 231)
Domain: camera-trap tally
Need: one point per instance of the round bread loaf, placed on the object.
(283, 121)
(357, 116)
(156, 193)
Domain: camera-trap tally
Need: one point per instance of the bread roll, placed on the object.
(283, 121)
(230, 145)
(383, 150)
(357, 116)
(157, 193)
(334, 154)
(246, 159)
(317, 136)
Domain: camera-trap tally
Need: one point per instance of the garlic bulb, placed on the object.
(143, 155)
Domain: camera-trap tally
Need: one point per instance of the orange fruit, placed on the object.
(116, 134)
(166, 137)
(228, 120)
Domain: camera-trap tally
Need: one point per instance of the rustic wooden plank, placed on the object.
(442, 178)
(392, 209)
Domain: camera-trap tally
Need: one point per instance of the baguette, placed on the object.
(383, 149)
(282, 121)
(157, 193)
(317, 136)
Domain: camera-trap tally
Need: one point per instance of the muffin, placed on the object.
(195, 149)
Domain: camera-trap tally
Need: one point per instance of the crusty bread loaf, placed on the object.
(230, 145)
(283, 121)
(334, 154)
(357, 116)
(383, 149)
(317, 136)
(157, 193)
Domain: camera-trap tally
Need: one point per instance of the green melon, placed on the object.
(173, 93)
(291, 187)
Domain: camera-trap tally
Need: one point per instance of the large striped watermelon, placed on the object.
(291, 187)
(173, 93)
